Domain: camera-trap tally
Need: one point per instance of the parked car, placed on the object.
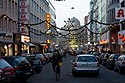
(42, 58)
(22, 67)
(85, 63)
(97, 55)
(7, 73)
(120, 64)
(106, 56)
(2, 78)
(35, 63)
(111, 61)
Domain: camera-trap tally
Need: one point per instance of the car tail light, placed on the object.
(1, 73)
(9, 71)
(123, 62)
(17, 68)
(75, 64)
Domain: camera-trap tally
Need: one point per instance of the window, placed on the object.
(9, 5)
(1, 23)
(1, 3)
(12, 6)
(119, 59)
(5, 24)
(12, 28)
(9, 25)
(3, 64)
(86, 59)
(5, 4)
(16, 8)
(122, 4)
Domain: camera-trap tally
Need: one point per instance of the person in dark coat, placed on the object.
(56, 59)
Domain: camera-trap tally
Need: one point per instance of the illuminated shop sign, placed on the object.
(120, 13)
(23, 10)
(25, 39)
(121, 37)
(103, 41)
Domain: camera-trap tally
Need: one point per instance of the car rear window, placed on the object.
(4, 64)
(116, 56)
(86, 59)
(39, 55)
(20, 60)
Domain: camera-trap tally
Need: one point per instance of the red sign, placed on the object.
(119, 13)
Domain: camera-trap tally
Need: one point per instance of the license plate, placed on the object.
(6, 73)
(27, 73)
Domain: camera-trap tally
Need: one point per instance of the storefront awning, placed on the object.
(32, 44)
(43, 44)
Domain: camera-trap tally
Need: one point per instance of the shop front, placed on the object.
(104, 45)
(6, 44)
(25, 40)
(114, 43)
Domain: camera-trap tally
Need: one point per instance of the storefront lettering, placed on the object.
(23, 15)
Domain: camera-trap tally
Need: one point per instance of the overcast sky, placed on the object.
(64, 11)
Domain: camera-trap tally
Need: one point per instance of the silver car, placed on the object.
(120, 64)
(85, 63)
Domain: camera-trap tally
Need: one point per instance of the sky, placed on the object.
(63, 10)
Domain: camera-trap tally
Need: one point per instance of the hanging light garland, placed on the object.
(69, 30)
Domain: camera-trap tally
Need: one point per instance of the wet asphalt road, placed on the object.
(47, 75)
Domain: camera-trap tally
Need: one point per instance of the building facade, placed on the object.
(8, 27)
(103, 11)
(113, 33)
(23, 26)
(121, 39)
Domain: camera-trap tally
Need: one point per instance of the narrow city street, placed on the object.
(47, 75)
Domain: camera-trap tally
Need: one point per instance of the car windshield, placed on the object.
(116, 56)
(4, 64)
(86, 59)
(20, 60)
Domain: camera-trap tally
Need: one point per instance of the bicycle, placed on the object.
(57, 72)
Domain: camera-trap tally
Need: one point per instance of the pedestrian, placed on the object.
(56, 59)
